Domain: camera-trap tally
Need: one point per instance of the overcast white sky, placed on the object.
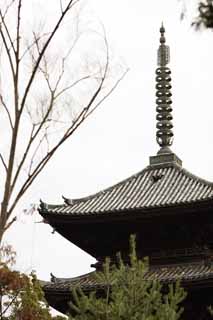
(119, 138)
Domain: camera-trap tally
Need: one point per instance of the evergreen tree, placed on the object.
(128, 294)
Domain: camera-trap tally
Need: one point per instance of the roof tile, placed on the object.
(151, 188)
(166, 274)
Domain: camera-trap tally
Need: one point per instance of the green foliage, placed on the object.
(127, 295)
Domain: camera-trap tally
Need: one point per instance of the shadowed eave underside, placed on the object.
(154, 187)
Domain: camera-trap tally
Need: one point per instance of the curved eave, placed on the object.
(152, 190)
(195, 207)
(192, 277)
(58, 291)
(96, 234)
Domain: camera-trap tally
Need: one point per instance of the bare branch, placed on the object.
(30, 46)
(55, 88)
(108, 93)
(23, 159)
(9, 305)
(9, 224)
(61, 6)
(46, 45)
(18, 30)
(44, 161)
(2, 16)
(45, 117)
(17, 60)
(3, 162)
(77, 38)
(44, 137)
(8, 7)
(32, 137)
(60, 75)
(8, 186)
(72, 85)
(7, 111)
(7, 50)
(81, 117)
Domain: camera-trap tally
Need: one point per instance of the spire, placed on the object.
(164, 134)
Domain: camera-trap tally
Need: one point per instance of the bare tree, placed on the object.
(44, 96)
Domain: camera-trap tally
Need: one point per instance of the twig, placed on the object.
(61, 6)
(7, 111)
(2, 16)
(3, 162)
(9, 224)
(108, 93)
(72, 85)
(33, 43)
(81, 117)
(46, 45)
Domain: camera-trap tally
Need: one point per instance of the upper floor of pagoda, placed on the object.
(163, 196)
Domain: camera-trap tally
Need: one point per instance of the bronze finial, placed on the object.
(162, 31)
(164, 118)
(163, 51)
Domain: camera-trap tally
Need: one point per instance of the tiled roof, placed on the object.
(185, 272)
(166, 274)
(154, 187)
(87, 281)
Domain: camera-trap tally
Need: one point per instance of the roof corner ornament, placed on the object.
(52, 277)
(43, 206)
(164, 134)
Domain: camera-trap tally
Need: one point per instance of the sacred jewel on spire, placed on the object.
(164, 134)
(163, 51)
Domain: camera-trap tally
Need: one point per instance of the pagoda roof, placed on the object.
(157, 186)
(197, 272)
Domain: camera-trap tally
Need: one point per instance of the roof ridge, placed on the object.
(57, 279)
(72, 201)
(129, 193)
(194, 176)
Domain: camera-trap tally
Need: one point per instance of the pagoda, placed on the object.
(168, 208)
